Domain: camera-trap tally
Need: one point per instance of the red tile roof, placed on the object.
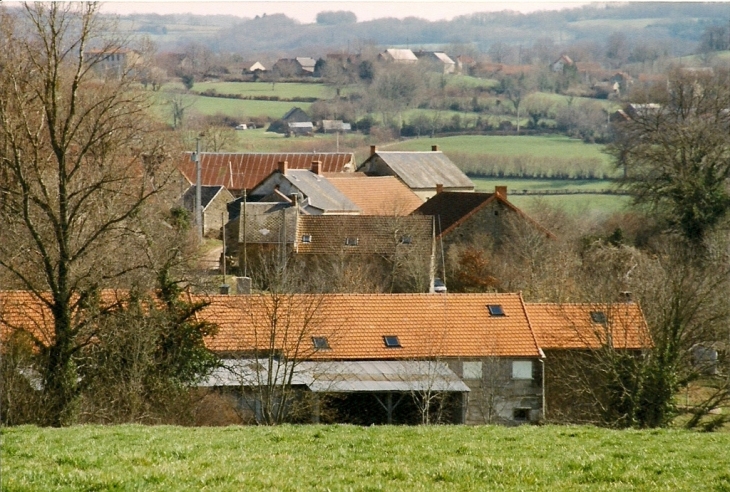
(376, 195)
(246, 170)
(427, 325)
(570, 326)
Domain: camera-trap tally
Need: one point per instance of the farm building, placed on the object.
(294, 115)
(422, 172)
(377, 353)
(463, 218)
(378, 358)
(214, 200)
(240, 172)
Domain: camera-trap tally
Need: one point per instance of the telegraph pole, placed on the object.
(198, 192)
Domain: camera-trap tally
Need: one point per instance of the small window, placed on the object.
(391, 341)
(472, 370)
(320, 343)
(521, 369)
(521, 414)
(351, 241)
(495, 310)
(598, 317)
(307, 238)
(406, 239)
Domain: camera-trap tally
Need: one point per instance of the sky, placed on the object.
(306, 11)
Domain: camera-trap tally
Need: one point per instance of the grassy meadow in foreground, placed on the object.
(293, 458)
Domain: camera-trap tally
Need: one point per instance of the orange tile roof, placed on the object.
(246, 170)
(569, 326)
(376, 195)
(427, 325)
(23, 311)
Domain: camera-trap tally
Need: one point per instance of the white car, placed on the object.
(439, 286)
(242, 126)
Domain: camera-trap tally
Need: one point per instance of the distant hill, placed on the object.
(676, 25)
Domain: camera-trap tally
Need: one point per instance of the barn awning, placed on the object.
(344, 376)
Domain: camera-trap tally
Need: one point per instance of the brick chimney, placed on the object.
(439, 189)
(501, 190)
(283, 165)
(434, 148)
(317, 167)
(373, 149)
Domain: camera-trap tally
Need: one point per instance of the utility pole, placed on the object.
(198, 191)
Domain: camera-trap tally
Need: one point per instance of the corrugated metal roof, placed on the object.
(342, 376)
(424, 170)
(246, 170)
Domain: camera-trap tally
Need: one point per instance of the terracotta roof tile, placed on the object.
(246, 170)
(572, 326)
(427, 325)
(376, 195)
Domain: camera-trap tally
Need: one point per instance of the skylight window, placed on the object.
(320, 343)
(391, 341)
(351, 241)
(307, 238)
(495, 310)
(598, 317)
(406, 239)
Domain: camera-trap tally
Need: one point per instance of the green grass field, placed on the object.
(295, 458)
(541, 146)
(258, 89)
(585, 205)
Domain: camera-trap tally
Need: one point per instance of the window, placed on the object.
(521, 369)
(472, 370)
(391, 341)
(521, 414)
(351, 241)
(495, 310)
(307, 238)
(406, 239)
(320, 343)
(598, 317)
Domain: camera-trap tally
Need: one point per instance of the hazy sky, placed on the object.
(306, 11)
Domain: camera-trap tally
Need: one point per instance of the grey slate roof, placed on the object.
(320, 193)
(421, 170)
(207, 193)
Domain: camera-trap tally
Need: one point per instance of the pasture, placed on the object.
(295, 458)
(553, 146)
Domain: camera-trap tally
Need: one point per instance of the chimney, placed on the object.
(501, 190)
(434, 148)
(317, 167)
(283, 165)
(243, 285)
(439, 188)
(373, 149)
(223, 289)
(625, 296)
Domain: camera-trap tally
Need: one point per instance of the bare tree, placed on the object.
(285, 332)
(79, 159)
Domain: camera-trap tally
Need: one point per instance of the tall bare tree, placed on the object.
(79, 161)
